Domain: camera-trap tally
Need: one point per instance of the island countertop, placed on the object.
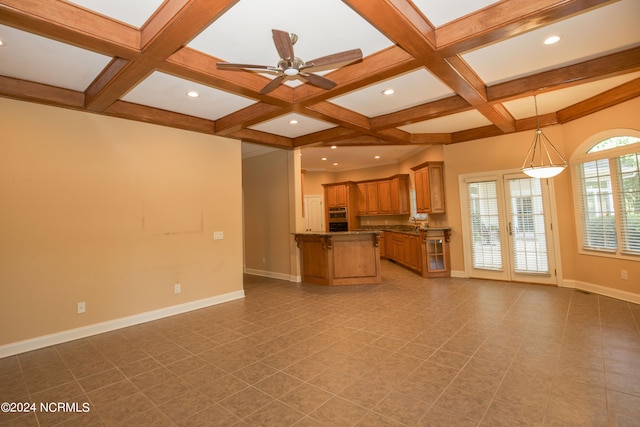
(340, 258)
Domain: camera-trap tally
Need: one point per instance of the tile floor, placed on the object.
(411, 351)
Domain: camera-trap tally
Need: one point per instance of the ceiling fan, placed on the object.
(292, 66)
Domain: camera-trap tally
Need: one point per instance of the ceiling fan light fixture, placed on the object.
(543, 160)
(291, 71)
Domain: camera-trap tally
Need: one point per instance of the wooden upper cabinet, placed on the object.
(362, 198)
(372, 198)
(399, 194)
(429, 182)
(384, 197)
(336, 195)
(388, 196)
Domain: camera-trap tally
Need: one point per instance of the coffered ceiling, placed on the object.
(461, 69)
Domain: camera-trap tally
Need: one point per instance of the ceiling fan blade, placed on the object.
(231, 66)
(344, 58)
(319, 81)
(272, 85)
(283, 43)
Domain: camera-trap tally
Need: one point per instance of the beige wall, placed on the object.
(113, 213)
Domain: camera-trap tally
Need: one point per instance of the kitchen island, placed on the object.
(340, 258)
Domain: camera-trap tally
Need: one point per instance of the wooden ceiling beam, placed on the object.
(249, 116)
(42, 94)
(257, 137)
(324, 137)
(612, 65)
(505, 19)
(607, 99)
(157, 116)
(196, 66)
(164, 34)
(72, 24)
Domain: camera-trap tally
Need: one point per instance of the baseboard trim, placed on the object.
(272, 275)
(601, 290)
(98, 328)
(460, 274)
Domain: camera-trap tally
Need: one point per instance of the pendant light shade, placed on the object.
(543, 160)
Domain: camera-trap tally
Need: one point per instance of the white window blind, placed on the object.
(629, 202)
(485, 225)
(608, 197)
(596, 206)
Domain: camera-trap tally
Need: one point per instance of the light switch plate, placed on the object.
(218, 235)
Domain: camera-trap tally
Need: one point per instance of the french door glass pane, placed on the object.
(485, 225)
(528, 233)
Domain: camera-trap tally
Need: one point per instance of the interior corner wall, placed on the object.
(112, 213)
(267, 214)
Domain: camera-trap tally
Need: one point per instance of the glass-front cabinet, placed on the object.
(436, 256)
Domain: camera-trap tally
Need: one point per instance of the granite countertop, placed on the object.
(406, 229)
(339, 233)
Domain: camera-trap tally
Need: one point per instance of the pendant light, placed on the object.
(539, 162)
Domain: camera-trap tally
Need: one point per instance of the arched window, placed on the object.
(607, 188)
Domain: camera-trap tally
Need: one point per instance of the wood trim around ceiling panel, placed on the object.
(617, 95)
(499, 116)
(347, 118)
(142, 113)
(505, 19)
(24, 90)
(431, 138)
(248, 116)
(272, 140)
(72, 24)
(179, 29)
(390, 21)
(476, 133)
(201, 68)
(324, 137)
(612, 65)
(419, 113)
(530, 123)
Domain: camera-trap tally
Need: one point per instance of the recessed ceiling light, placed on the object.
(2, 43)
(333, 147)
(388, 92)
(193, 94)
(551, 40)
(324, 158)
(293, 122)
(335, 164)
(376, 157)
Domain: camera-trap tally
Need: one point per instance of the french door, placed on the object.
(508, 228)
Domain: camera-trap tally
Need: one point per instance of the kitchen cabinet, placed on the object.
(426, 252)
(336, 195)
(388, 196)
(436, 245)
(342, 195)
(383, 245)
(429, 185)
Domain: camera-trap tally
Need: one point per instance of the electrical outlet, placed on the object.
(624, 275)
(177, 288)
(218, 235)
(81, 307)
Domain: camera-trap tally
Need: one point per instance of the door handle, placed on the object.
(510, 231)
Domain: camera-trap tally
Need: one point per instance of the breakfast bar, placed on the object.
(340, 258)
